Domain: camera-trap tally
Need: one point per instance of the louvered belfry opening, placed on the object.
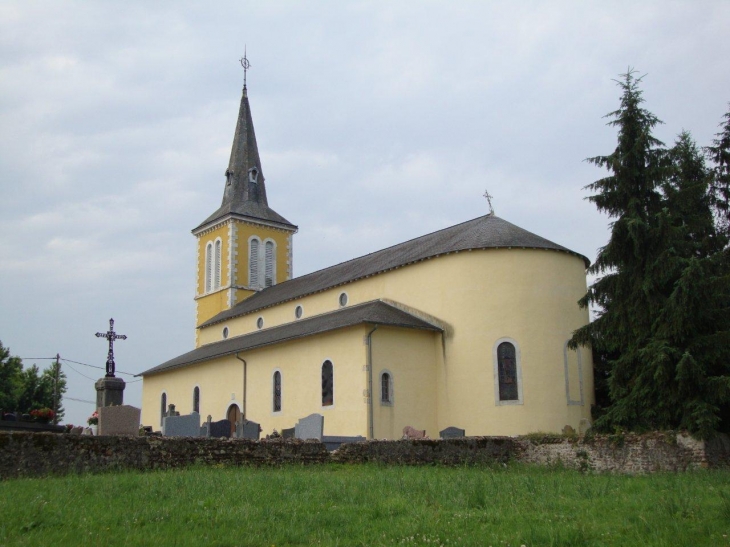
(269, 265)
(253, 264)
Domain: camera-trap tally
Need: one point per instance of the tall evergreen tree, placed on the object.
(663, 325)
(11, 369)
(54, 381)
(719, 154)
(626, 295)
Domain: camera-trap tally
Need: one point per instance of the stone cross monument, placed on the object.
(110, 389)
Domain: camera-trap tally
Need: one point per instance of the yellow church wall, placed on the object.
(299, 361)
(410, 357)
(220, 382)
(529, 296)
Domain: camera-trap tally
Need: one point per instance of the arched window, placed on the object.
(196, 399)
(270, 264)
(217, 265)
(328, 384)
(386, 388)
(508, 373)
(253, 263)
(277, 391)
(208, 266)
(163, 406)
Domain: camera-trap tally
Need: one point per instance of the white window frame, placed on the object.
(495, 361)
(217, 260)
(257, 284)
(333, 384)
(208, 277)
(192, 406)
(391, 399)
(262, 263)
(281, 395)
(579, 356)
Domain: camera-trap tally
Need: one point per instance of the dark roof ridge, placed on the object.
(375, 312)
(513, 236)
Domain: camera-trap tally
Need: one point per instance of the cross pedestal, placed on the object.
(109, 391)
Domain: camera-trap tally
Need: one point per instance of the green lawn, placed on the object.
(367, 505)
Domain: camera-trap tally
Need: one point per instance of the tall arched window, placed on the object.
(277, 391)
(328, 384)
(386, 388)
(163, 406)
(217, 265)
(508, 374)
(196, 399)
(270, 264)
(253, 263)
(208, 266)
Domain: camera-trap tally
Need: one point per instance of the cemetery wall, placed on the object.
(39, 454)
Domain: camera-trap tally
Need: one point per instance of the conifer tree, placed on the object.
(662, 330)
(719, 154)
(626, 295)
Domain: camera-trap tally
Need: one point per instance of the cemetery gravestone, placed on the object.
(452, 433)
(119, 420)
(310, 427)
(221, 428)
(181, 426)
(411, 433)
(251, 430)
(287, 433)
(333, 442)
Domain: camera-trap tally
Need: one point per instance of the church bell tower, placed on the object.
(244, 246)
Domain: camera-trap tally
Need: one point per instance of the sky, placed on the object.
(376, 122)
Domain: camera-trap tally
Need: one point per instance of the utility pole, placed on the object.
(56, 373)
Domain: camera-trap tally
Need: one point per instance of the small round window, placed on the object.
(343, 299)
(298, 312)
(260, 322)
(225, 332)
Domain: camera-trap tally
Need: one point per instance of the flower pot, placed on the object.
(93, 428)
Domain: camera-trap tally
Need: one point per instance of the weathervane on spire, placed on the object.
(246, 65)
(489, 201)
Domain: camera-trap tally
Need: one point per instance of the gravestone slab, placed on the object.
(181, 426)
(333, 442)
(221, 428)
(311, 427)
(119, 420)
(452, 433)
(251, 430)
(411, 433)
(77, 430)
(287, 433)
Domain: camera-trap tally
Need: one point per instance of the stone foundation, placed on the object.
(26, 454)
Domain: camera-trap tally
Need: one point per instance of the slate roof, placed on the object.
(241, 196)
(376, 312)
(487, 232)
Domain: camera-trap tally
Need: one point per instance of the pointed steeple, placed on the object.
(244, 193)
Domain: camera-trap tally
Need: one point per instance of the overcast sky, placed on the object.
(376, 122)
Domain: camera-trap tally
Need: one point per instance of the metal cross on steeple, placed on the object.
(111, 336)
(489, 201)
(246, 65)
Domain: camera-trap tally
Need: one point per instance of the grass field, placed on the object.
(367, 505)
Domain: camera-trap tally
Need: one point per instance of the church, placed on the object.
(466, 327)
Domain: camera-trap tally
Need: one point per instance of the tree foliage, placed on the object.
(661, 331)
(23, 390)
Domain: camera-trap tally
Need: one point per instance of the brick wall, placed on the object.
(39, 454)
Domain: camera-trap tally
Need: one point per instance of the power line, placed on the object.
(77, 363)
(94, 366)
(81, 374)
(79, 400)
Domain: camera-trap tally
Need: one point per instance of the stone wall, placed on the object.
(39, 454)
(469, 450)
(622, 453)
